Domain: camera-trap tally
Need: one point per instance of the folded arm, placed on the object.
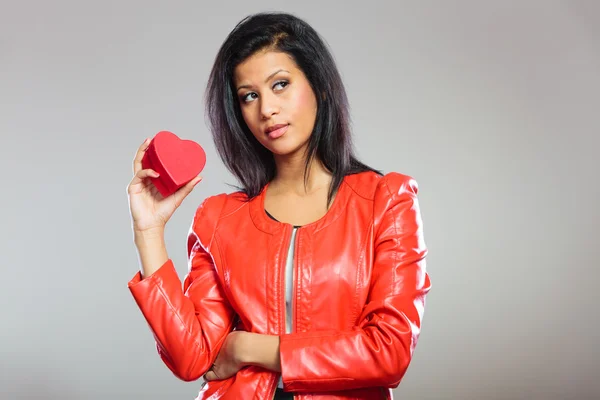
(378, 351)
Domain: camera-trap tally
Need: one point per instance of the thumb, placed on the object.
(183, 191)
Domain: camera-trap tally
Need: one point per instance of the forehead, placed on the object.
(261, 64)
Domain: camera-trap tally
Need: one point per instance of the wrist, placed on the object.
(260, 350)
(244, 347)
(142, 237)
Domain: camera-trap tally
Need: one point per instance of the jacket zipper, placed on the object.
(288, 231)
(294, 273)
(294, 280)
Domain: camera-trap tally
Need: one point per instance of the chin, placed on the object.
(287, 149)
(282, 151)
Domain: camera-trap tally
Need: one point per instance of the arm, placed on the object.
(260, 350)
(378, 351)
(189, 324)
(152, 251)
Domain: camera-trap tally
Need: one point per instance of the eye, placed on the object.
(245, 97)
(284, 83)
(252, 95)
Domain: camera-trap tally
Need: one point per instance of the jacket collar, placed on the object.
(269, 225)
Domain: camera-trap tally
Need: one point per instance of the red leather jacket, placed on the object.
(359, 293)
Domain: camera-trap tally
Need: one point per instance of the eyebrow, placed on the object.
(266, 80)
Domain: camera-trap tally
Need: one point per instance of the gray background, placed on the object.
(492, 106)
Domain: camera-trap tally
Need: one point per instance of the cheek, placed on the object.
(247, 115)
(305, 105)
(245, 112)
(253, 124)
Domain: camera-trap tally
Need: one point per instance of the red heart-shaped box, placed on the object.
(177, 161)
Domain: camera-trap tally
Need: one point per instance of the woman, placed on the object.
(308, 282)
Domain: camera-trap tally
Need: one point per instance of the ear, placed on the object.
(323, 95)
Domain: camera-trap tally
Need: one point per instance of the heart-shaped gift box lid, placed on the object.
(178, 161)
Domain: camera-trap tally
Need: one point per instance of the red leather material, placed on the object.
(360, 285)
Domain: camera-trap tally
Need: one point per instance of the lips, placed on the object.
(276, 131)
(274, 128)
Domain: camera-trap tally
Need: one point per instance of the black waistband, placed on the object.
(281, 395)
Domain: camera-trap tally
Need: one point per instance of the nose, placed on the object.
(269, 106)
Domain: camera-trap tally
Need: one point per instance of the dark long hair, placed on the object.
(330, 141)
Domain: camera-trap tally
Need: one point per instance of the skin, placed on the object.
(273, 90)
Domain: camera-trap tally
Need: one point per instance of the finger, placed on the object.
(143, 174)
(210, 376)
(182, 192)
(137, 161)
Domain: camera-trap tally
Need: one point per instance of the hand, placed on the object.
(229, 360)
(149, 209)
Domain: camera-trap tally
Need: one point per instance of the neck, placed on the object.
(290, 175)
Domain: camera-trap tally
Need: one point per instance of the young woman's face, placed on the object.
(273, 92)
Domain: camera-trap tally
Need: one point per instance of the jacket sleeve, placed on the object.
(378, 351)
(190, 321)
